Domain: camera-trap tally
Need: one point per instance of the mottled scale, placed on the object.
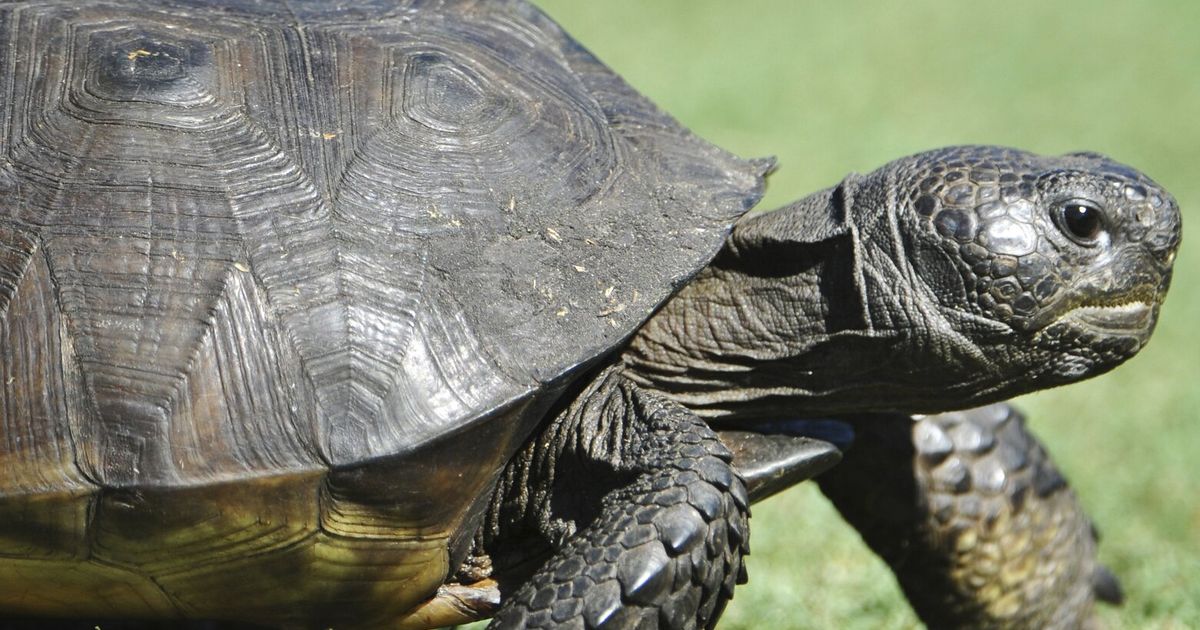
(267, 266)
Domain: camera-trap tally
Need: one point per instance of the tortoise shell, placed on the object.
(284, 283)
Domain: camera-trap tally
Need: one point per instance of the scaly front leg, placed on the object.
(971, 514)
(643, 515)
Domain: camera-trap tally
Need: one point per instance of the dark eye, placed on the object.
(1081, 221)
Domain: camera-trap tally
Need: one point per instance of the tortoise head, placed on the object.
(943, 280)
(1069, 256)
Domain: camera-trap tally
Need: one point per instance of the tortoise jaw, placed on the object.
(1127, 312)
(1135, 316)
(1099, 334)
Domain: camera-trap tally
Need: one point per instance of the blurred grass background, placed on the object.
(838, 87)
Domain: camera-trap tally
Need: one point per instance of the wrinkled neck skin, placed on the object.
(816, 309)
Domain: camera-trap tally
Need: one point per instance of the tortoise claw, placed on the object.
(1107, 587)
(772, 462)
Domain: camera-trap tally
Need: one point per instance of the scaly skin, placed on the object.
(973, 517)
(663, 548)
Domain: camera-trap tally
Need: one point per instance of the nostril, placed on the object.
(1163, 244)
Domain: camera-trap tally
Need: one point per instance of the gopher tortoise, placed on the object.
(406, 313)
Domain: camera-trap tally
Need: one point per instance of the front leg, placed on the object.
(979, 526)
(636, 503)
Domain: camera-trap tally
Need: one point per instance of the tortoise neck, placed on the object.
(813, 308)
(738, 339)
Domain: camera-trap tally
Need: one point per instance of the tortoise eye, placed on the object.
(1081, 221)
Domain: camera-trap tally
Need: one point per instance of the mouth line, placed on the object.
(1134, 315)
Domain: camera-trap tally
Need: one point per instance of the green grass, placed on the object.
(835, 87)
